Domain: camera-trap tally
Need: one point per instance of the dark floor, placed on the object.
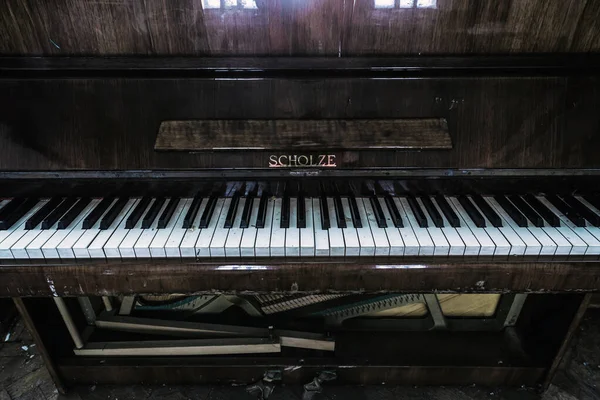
(23, 376)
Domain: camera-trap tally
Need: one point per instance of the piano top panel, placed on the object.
(111, 122)
(298, 28)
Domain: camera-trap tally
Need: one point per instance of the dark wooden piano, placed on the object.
(265, 191)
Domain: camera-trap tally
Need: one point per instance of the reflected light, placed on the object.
(407, 266)
(229, 4)
(241, 268)
(385, 3)
(211, 4)
(426, 3)
(391, 4)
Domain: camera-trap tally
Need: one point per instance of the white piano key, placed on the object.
(350, 235)
(277, 233)
(392, 233)
(442, 247)
(249, 234)
(234, 239)
(292, 234)
(159, 243)
(321, 235)
(336, 235)
(206, 236)
(263, 235)
(595, 231)
(52, 248)
(189, 237)
(426, 244)
(18, 250)
(583, 242)
(457, 245)
(34, 249)
(472, 246)
(217, 244)
(80, 248)
(126, 247)
(141, 247)
(486, 246)
(307, 235)
(382, 245)
(411, 243)
(503, 246)
(96, 248)
(10, 237)
(111, 246)
(510, 227)
(365, 236)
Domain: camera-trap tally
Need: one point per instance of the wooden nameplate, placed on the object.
(287, 134)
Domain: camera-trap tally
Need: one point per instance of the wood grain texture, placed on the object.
(316, 135)
(111, 123)
(278, 27)
(186, 278)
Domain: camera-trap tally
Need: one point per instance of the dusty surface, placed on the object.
(23, 376)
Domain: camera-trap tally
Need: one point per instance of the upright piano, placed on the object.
(266, 191)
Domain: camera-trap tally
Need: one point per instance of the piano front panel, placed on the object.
(314, 27)
(112, 124)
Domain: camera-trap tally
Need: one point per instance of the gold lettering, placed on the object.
(293, 159)
(331, 160)
(281, 163)
(305, 162)
(273, 161)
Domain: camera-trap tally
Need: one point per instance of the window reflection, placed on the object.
(229, 4)
(405, 3)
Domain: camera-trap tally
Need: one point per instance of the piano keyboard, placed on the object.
(213, 227)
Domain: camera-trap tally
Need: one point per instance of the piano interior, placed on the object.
(275, 192)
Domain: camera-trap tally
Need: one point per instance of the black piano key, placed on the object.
(473, 212)
(526, 209)
(394, 212)
(285, 212)
(190, 216)
(262, 210)
(59, 212)
(354, 213)
(97, 212)
(42, 213)
(231, 213)
(208, 211)
(137, 213)
(448, 212)
(247, 211)
(325, 222)
(112, 214)
(416, 209)
(593, 200)
(339, 212)
(552, 219)
(511, 210)
(434, 214)
(152, 213)
(167, 214)
(11, 206)
(583, 210)
(11, 218)
(378, 212)
(69, 216)
(567, 210)
(301, 211)
(489, 212)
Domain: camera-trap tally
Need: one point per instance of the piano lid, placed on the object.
(298, 27)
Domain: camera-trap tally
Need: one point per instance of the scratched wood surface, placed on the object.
(357, 134)
(100, 278)
(312, 27)
(111, 123)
